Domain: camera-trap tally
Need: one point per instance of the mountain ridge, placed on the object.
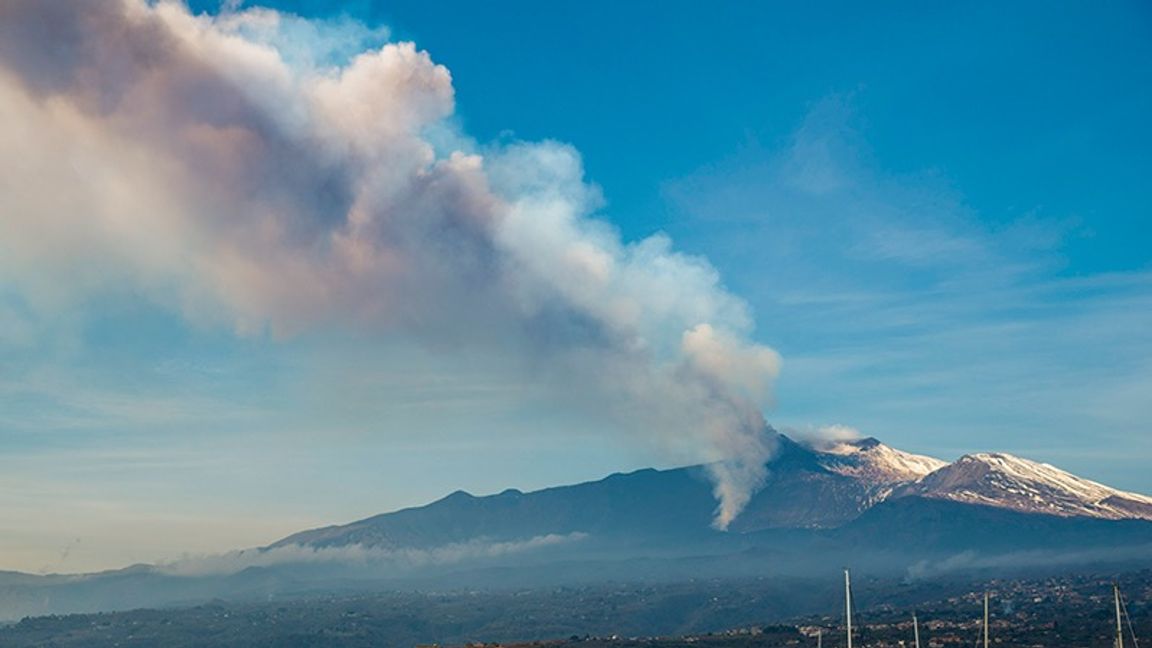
(1007, 481)
(858, 502)
(809, 486)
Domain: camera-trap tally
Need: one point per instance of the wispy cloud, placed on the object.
(379, 559)
(904, 311)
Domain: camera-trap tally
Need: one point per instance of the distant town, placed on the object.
(1070, 611)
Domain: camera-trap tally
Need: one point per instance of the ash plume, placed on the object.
(247, 171)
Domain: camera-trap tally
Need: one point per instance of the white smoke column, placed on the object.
(246, 171)
(824, 437)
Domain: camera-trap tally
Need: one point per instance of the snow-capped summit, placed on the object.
(870, 460)
(1007, 481)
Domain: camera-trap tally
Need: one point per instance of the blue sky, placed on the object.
(938, 215)
(1015, 138)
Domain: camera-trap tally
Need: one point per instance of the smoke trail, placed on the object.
(245, 170)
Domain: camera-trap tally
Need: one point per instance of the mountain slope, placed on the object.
(919, 527)
(1009, 482)
(875, 462)
(825, 487)
(806, 488)
(859, 503)
(675, 503)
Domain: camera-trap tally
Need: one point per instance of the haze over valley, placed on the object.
(394, 322)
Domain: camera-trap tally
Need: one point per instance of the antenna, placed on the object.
(985, 618)
(848, 604)
(1119, 624)
(916, 629)
(1127, 617)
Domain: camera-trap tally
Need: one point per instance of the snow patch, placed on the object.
(871, 460)
(1007, 481)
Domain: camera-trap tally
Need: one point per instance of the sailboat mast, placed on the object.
(1119, 627)
(819, 637)
(985, 619)
(848, 604)
(916, 629)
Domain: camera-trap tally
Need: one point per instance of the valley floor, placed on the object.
(1067, 611)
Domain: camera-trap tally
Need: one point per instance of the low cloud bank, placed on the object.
(972, 560)
(393, 559)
